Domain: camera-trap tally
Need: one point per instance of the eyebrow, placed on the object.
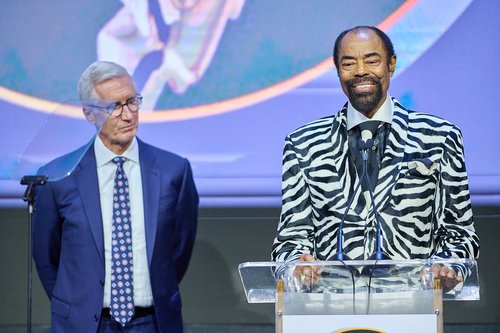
(347, 58)
(372, 54)
(368, 55)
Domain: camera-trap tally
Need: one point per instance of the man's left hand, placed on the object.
(448, 278)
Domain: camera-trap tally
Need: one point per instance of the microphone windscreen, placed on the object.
(370, 125)
(366, 135)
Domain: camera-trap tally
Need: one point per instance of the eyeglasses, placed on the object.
(115, 110)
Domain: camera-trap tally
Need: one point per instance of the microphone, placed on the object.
(366, 142)
(367, 130)
(364, 145)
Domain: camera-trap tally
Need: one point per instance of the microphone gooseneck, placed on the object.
(340, 256)
(367, 132)
(364, 145)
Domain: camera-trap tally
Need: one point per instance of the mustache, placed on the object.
(360, 80)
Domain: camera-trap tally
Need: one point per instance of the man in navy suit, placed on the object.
(112, 239)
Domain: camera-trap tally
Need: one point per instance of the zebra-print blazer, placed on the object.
(422, 192)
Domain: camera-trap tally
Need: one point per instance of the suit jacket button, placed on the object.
(101, 282)
(96, 317)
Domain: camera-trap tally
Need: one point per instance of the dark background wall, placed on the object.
(212, 291)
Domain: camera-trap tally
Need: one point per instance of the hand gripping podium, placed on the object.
(357, 296)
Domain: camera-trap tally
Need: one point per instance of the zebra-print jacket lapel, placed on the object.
(393, 158)
(392, 162)
(347, 175)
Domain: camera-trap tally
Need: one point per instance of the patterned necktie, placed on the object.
(122, 284)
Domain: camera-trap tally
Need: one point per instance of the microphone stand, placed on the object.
(379, 254)
(29, 197)
(340, 256)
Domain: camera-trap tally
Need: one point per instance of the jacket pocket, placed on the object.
(59, 307)
(175, 301)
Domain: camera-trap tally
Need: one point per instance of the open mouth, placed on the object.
(360, 86)
(364, 87)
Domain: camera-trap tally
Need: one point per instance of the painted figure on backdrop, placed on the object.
(166, 42)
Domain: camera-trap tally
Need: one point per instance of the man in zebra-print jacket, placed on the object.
(421, 190)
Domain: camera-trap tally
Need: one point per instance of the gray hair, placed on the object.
(96, 73)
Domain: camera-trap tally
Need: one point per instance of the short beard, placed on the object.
(364, 102)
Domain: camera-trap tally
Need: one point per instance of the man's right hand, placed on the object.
(307, 273)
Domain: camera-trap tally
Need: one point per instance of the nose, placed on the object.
(360, 69)
(126, 113)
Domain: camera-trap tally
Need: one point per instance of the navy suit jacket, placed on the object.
(68, 245)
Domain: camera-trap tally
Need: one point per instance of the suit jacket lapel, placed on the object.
(393, 156)
(348, 177)
(151, 178)
(88, 184)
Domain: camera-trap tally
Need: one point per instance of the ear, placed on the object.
(89, 115)
(336, 68)
(392, 65)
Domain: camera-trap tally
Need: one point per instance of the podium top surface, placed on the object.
(355, 277)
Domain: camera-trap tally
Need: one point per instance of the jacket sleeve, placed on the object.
(295, 234)
(186, 216)
(455, 236)
(46, 233)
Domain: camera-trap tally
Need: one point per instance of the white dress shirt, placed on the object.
(106, 174)
(384, 114)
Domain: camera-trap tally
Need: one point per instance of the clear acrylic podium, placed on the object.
(357, 296)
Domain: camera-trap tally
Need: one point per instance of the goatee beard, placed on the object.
(364, 102)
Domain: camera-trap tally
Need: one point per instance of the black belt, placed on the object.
(139, 312)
